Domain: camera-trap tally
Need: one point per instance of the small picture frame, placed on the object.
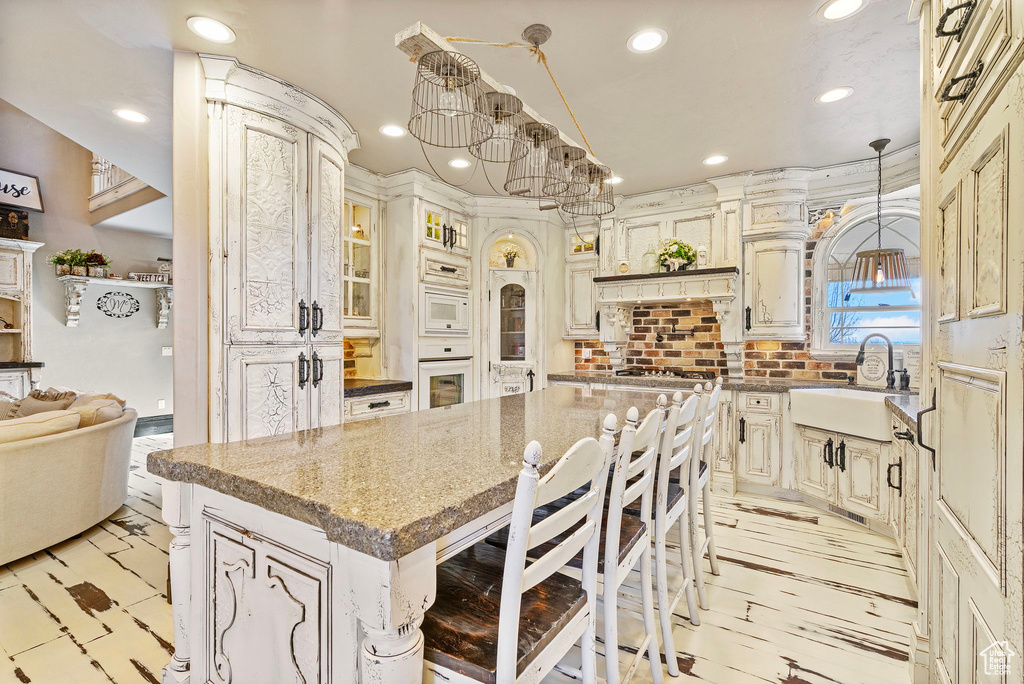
(20, 190)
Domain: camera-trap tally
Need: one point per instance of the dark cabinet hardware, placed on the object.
(531, 375)
(597, 320)
(318, 369)
(957, 31)
(841, 461)
(318, 318)
(447, 269)
(920, 440)
(905, 435)
(970, 81)
(888, 476)
(748, 313)
(444, 235)
(743, 430)
(379, 404)
(828, 453)
(303, 316)
(303, 370)
(597, 245)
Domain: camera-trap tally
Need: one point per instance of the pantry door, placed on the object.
(975, 282)
(512, 329)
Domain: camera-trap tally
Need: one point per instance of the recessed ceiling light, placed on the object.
(834, 10)
(715, 159)
(392, 130)
(458, 163)
(211, 29)
(509, 88)
(835, 94)
(131, 115)
(615, 180)
(646, 40)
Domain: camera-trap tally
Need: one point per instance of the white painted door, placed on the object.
(512, 331)
(326, 229)
(581, 299)
(858, 466)
(976, 369)
(815, 450)
(760, 444)
(773, 289)
(268, 391)
(266, 229)
(327, 385)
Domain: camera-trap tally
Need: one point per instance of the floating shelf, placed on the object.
(75, 287)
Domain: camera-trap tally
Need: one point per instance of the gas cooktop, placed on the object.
(668, 373)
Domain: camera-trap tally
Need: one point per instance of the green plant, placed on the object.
(69, 257)
(674, 248)
(511, 251)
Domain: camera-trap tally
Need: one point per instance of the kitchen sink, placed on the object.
(849, 411)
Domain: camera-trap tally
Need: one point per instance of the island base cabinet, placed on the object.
(758, 455)
(843, 471)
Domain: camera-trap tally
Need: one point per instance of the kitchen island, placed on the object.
(311, 556)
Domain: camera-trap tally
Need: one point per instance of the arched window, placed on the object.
(841, 319)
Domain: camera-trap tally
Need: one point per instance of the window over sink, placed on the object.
(841, 319)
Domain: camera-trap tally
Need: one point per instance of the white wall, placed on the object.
(122, 356)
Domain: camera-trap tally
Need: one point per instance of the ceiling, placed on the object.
(736, 77)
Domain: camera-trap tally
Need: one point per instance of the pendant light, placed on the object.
(880, 270)
(598, 198)
(445, 102)
(564, 159)
(530, 172)
(504, 114)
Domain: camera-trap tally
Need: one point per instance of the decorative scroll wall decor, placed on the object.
(118, 304)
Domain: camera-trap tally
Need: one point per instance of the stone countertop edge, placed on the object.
(366, 387)
(781, 385)
(905, 407)
(372, 541)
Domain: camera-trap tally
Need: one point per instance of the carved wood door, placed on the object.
(326, 199)
(977, 608)
(266, 229)
(268, 391)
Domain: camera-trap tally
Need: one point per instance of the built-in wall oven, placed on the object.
(445, 373)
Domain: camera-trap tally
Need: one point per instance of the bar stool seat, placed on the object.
(675, 493)
(460, 630)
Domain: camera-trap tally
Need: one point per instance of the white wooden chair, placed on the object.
(677, 444)
(498, 620)
(700, 481)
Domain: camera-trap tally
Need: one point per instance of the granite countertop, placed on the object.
(905, 407)
(8, 365)
(389, 486)
(364, 387)
(741, 385)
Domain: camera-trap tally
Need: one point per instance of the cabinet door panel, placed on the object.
(860, 484)
(814, 476)
(264, 397)
(759, 451)
(327, 402)
(581, 299)
(910, 508)
(773, 287)
(326, 226)
(266, 233)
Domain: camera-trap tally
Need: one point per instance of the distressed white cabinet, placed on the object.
(278, 296)
(514, 336)
(773, 302)
(758, 455)
(581, 299)
(814, 450)
(377, 405)
(445, 229)
(360, 300)
(843, 471)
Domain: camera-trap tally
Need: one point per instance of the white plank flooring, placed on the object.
(804, 598)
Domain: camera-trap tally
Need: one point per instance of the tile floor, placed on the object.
(803, 598)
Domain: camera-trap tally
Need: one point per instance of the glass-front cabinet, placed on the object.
(512, 319)
(513, 332)
(361, 265)
(445, 229)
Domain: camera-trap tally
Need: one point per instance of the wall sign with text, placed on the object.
(118, 304)
(20, 190)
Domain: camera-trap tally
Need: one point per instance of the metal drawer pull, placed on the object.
(303, 370)
(379, 404)
(828, 453)
(920, 438)
(318, 369)
(447, 269)
(888, 476)
(905, 435)
(303, 316)
(957, 31)
(318, 318)
(971, 80)
(743, 430)
(842, 456)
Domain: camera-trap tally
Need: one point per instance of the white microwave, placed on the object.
(444, 311)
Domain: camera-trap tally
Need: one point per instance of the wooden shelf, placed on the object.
(75, 287)
(113, 281)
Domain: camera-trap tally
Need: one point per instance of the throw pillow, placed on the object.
(38, 425)
(88, 397)
(39, 402)
(97, 411)
(8, 406)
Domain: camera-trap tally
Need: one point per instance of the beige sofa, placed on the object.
(53, 487)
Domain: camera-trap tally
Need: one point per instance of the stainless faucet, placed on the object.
(890, 375)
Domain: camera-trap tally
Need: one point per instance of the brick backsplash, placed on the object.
(704, 351)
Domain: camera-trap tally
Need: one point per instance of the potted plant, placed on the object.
(510, 252)
(675, 255)
(97, 263)
(69, 262)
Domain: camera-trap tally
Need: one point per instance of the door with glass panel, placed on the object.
(361, 265)
(512, 329)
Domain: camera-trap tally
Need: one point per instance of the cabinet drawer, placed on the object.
(444, 268)
(376, 405)
(766, 402)
(984, 60)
